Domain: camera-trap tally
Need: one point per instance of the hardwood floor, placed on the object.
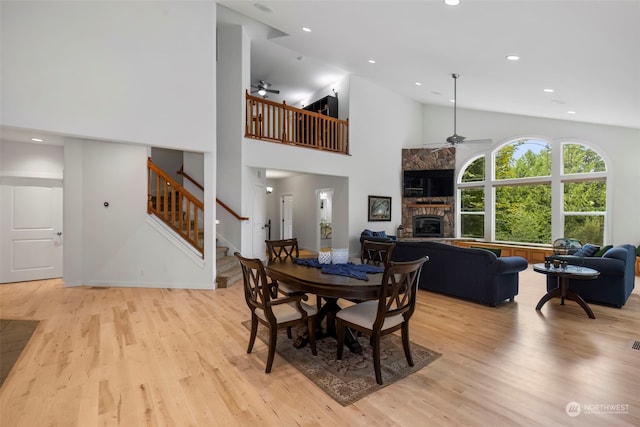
(132, 357)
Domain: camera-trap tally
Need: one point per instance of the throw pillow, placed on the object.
(587, 250)
(379, 234)
(602, 250)
(367, 233)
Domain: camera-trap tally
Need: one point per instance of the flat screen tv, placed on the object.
(428, 183)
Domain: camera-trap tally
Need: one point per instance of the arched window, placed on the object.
(512, 198)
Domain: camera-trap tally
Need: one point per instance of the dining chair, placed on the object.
(282, 251)
(390, 312)
(274, 313)
(376, 253)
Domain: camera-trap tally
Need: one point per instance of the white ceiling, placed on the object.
(587, 51)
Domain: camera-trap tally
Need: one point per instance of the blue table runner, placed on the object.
(357, 271)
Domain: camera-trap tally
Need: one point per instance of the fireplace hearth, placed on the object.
(427, 226)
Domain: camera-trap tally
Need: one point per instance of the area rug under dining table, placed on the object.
(353, 377)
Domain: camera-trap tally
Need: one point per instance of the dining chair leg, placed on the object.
(405, 343)
(311, 325)
(254, 332)
(273, 337)
(340, 338)
(376, 356)
(289, 332)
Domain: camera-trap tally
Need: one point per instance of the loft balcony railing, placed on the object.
(271, 121)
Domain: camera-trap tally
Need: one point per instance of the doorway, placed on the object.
(286, 213)
(324, 197)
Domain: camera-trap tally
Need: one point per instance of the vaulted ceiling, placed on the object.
(587, 52)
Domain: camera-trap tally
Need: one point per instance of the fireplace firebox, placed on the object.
(427, 226)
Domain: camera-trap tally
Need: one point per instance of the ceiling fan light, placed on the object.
(262, 92)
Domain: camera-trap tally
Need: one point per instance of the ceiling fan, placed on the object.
(263, 87)
(456, 139)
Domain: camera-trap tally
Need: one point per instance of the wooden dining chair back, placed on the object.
(274, 313)
(391, 311)
(377, 253)
(282, 250)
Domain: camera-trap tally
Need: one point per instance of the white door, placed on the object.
(258, 218)
(30, 232)
(286, 213)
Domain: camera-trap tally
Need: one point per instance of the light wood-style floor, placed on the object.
(157, 357)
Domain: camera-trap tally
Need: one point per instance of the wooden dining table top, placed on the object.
(312, 280)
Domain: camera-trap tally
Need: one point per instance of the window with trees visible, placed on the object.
(523, 207)
(472, 200)
(521, 179)
(584, 193)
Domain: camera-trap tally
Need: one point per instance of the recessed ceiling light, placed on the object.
(513, 57)
(452, 2)
(571, 112)
(549, 90)
(37, 139)
(418, 84)
(307, 29)
(372, 61)
(452, 100)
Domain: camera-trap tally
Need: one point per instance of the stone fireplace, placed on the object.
(427, 226)
(439, 207)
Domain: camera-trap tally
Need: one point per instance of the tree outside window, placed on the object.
(472, 207)
(522, 186)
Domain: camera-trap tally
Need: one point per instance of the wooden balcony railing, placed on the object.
(271, 121)
(175, 206)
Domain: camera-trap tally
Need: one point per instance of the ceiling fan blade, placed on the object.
(276, 91)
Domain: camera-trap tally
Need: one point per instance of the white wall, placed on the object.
(125, 71)
(137, 72)
(305, 227)
(233, 78)
(118, 245)
(26, 160)
(619, 146)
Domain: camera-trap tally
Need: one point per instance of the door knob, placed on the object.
(59, 233)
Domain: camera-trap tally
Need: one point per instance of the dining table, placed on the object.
(329, 287)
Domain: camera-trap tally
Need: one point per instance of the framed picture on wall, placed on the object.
(379, 208)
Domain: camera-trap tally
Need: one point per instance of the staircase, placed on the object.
(227, 267)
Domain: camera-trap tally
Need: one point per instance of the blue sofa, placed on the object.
(473, 274)
(616, 280)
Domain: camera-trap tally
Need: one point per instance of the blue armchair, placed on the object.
(377, 236)
(616, 280)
